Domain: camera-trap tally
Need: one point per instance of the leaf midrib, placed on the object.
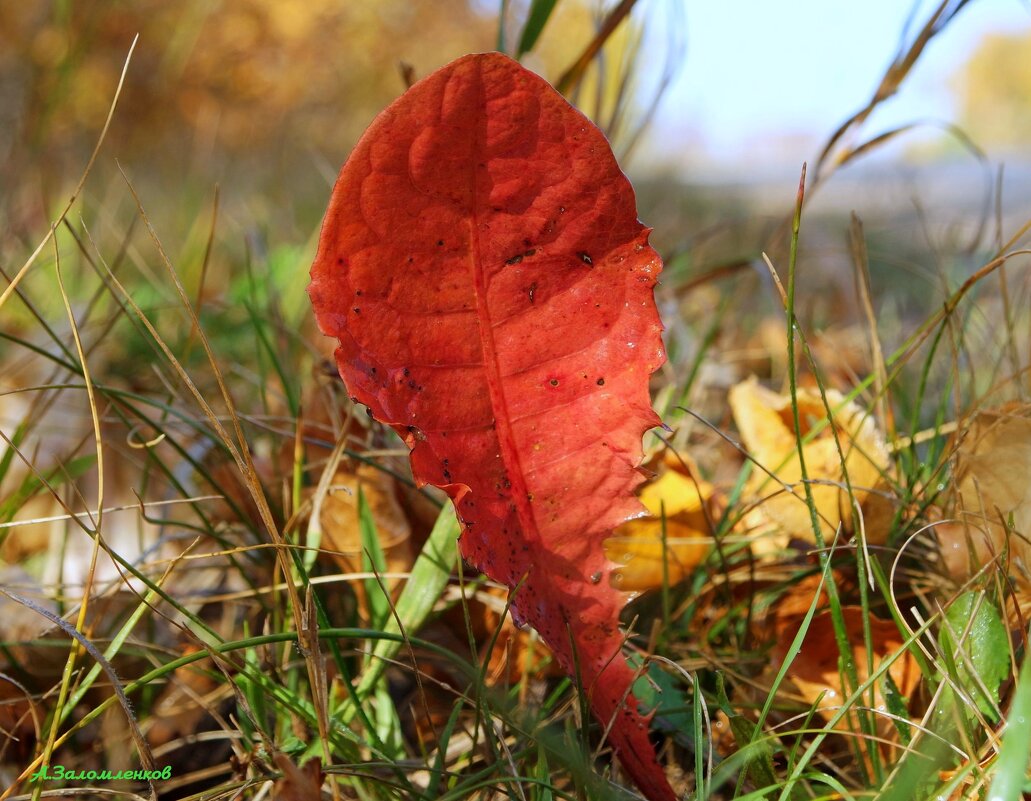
(495, 385)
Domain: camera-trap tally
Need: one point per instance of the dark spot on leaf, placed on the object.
(554, 382)
(596, 577)
(561, 209)
(529, 496)
(440, 243)
(406, 372)
(530, 252)
(601, 382)
(356, 310)
(533, 288)
(358, 292)
(515, 259)
(585, 258)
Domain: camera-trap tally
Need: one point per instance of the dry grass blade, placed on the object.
(146, 758)
(72, 792)
(239, 449)
(78, 187)
(673, 62)
(890, 83)
(574, 74)
(857, 243)
(73, 653)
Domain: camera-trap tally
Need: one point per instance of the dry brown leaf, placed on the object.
(993, 462)
(341, 535)
(765, 421)
(815, 670)
(637, 545)
(298, 783)
(794, 604)
(18, 716)
(519, 652)
(181, 706)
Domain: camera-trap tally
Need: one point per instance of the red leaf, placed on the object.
(483, 268)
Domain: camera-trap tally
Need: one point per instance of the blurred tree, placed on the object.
(995, 92)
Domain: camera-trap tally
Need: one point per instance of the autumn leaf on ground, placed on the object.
(766, 423)
(514, 652)
(298, 783)
(483, 268)
(637, 545)
(341, 536)
(815, 670)
(993, 462)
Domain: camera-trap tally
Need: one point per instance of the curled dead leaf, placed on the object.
(298, 783)
(341, 534)
(816, 674)
(766, 423)
(993, 495)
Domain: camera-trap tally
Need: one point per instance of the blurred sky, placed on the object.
(766, 81)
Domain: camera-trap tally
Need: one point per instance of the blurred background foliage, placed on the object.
(254, 94)
(995, 92)
(265, 98)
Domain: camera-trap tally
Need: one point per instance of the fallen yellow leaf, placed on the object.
(766, 423)
(637, 546)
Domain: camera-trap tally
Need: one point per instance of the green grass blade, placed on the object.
(540, 13)
(373, 561)
(437, 772)
(1010, 781)
(429, 577)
